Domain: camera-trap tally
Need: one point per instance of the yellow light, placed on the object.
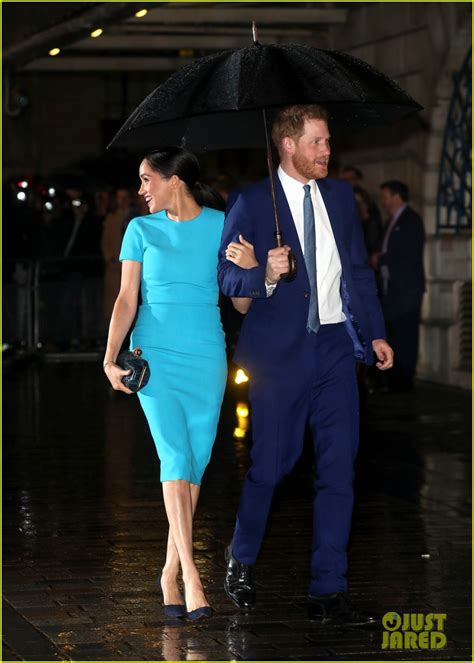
(242, 410)
(239, 432)
(141, 13)
(241, 376)
(55, 51)
(97, 33)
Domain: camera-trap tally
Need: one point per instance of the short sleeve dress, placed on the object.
(179, 330)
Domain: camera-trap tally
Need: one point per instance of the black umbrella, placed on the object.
(216, 102)
(211, 103)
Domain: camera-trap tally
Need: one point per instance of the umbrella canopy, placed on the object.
(215, 102)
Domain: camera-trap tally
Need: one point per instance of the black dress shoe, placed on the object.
(338, 608)
(239, 583)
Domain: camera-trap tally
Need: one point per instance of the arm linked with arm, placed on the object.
(233, 280)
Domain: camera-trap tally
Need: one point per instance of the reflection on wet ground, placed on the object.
(85, 529)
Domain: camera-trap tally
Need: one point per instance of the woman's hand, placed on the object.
(115, 375)
(242, 255)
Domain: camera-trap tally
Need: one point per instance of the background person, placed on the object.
(402, 277)
(113, 230)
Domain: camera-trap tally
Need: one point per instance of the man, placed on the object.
(298, 342)
(368, 211)
(402, 276)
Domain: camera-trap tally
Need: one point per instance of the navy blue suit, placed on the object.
(298, 377)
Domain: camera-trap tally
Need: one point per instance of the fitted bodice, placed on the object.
(179, 258)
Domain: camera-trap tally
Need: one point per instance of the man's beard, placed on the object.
(307, 168)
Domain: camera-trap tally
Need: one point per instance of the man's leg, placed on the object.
(279, 414)
(335, 427)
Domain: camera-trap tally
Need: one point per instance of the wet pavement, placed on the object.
(85, 529)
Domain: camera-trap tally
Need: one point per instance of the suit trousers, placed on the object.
(321, 390)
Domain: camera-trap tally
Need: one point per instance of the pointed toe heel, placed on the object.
(172, 610)
(178, 610)
(200, 613)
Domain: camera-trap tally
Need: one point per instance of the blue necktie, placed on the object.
(310, 259)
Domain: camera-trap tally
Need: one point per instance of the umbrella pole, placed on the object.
(278, 234)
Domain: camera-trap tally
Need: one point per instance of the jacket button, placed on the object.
(306, 294)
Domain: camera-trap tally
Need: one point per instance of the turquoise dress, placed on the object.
(179, 330)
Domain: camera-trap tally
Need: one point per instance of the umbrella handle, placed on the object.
(291, 274)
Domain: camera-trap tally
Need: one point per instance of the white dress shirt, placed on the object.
(328, 263)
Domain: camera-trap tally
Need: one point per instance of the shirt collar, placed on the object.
(398, 212)
(292, 187)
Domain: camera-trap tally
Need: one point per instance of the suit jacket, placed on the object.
(404, 259)
(274, 330)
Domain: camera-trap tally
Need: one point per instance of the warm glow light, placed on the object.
(141, 13)
(55, 51)
(97, 33)
(242, 410)
(241, 376)
(239, 432)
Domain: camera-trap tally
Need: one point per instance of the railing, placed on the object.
(453, 205)
(53, 303)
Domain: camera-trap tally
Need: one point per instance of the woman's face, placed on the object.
(155, 189)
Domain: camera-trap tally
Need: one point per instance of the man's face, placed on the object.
(311, 151)
(390, 201)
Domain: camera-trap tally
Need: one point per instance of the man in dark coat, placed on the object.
(402, 279)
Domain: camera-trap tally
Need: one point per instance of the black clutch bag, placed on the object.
(133, 361)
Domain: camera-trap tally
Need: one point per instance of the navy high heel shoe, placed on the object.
(172, 610)
(200, 613)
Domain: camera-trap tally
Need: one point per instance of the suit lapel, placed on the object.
(287, 225)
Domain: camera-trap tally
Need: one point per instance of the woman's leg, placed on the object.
(179, 509)
(169, 574)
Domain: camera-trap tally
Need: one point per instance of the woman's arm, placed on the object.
(241, 304)
(243, 255)
(123, 315)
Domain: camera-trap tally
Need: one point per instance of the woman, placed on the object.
(171, 255)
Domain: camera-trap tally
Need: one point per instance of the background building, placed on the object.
(60, 112)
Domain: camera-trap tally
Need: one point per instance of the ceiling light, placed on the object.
(141, 13)
(97, 33)
(55, 51)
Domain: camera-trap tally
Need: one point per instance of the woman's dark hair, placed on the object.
(169, 161)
